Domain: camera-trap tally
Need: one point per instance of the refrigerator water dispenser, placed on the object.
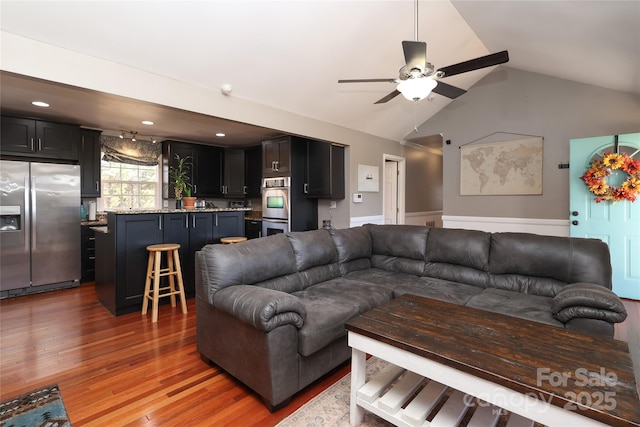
(10, 218)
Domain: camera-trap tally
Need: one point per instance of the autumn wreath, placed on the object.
(595, 178)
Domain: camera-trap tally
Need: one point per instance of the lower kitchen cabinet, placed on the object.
(88, 251)
(121, 255)
(252, 229)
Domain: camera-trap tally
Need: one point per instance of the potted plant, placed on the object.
(179, 176)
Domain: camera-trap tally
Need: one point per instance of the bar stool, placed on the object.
(154, 272)
(232, 239)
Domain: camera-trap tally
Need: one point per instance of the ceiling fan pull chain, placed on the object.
(415, 115)
(415, 22)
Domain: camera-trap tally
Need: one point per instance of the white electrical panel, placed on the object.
(357, 198)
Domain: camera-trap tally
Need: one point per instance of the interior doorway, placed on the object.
(393, 189)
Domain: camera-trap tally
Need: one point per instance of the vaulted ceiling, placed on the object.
(288, 55)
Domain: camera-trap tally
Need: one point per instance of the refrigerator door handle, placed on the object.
(27, 213)
(32, 190)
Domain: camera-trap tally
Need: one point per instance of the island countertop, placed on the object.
(169, 211)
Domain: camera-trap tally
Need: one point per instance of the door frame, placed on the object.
(401, 161)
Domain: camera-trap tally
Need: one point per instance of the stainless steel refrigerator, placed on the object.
(39, 227)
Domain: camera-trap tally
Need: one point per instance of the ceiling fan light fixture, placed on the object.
(416, 89)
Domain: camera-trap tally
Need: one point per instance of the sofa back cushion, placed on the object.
(543, 265)
(458, 256)
(247, 263)
(312, 248)
(353, 246)
(398, 248)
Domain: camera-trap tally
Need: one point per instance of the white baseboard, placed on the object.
(549, 227)
(424, 218)
(362, 220)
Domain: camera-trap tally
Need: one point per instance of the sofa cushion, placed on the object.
(245, 263)
(405, 241)
(381, 277)
(312, 248)
(469, 248)
(326, 316)
(364, 296)
(543, 265)
(438, 289)
(354, 248)
(516, 304)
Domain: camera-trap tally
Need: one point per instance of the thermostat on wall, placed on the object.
(357, 198)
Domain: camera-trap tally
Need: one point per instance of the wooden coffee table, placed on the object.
(537, 372)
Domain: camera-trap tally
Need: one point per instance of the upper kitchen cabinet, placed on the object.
(90, 163)
(276, 157)
(324, 170)
(38, 139)
(234, 176)
(206, 168)
(253, 171)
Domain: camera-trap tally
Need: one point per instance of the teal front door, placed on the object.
(616, 223)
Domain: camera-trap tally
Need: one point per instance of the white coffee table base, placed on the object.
(524, 409)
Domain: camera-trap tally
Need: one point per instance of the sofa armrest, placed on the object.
(264, 309)
(588, 300)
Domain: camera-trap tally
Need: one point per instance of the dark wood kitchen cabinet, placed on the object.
(206, 168)
(324, 170)
(276, 157)
(121, 254)
(122, 257)
(253, 171)
(90, 163)
(234, 176)
(88, 254)
(38, 139)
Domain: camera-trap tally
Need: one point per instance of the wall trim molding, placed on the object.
(357, 221)
(551, 227)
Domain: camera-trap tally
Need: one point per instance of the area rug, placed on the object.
(331, 407)
(38, 408)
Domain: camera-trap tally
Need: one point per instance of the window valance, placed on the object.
(124, 150)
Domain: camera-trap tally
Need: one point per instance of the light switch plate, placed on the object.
(332, 204)
(165, 203)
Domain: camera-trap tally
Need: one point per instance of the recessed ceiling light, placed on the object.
(40, 104)
(147, 122)
(220, 134)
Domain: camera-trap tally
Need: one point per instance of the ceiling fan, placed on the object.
(418, 77)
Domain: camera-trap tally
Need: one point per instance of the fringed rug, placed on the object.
(38, 408)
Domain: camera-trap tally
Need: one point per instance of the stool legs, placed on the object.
(155, 272)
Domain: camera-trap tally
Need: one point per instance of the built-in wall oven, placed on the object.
(276, 213)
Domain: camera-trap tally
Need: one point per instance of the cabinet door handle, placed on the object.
(193, 221)
(97, 186)
(159, 223)
(32, 145)
(306, 188)
(244, 189)
(216, 220)
(39, 144)
(186, 221)
(92, 238)
(195, 188)
(277, 165)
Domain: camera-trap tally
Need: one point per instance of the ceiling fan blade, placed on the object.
(476, 64)
(388, 97)
(447, 90)
(368, 81)
(415, 54)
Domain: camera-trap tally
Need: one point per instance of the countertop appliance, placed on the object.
(39, 227)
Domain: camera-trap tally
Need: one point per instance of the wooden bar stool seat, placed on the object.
(232, 239)
(155, 272)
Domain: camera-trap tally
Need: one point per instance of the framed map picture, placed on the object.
(501, 168)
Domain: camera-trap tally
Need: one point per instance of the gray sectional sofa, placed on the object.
(271, 311)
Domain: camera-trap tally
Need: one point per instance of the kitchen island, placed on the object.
(121, 255)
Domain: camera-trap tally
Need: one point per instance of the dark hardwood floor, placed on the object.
(127, 371)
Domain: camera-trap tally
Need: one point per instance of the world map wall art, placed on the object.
(511, 167)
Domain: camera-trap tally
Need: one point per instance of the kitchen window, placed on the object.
(127, 186)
